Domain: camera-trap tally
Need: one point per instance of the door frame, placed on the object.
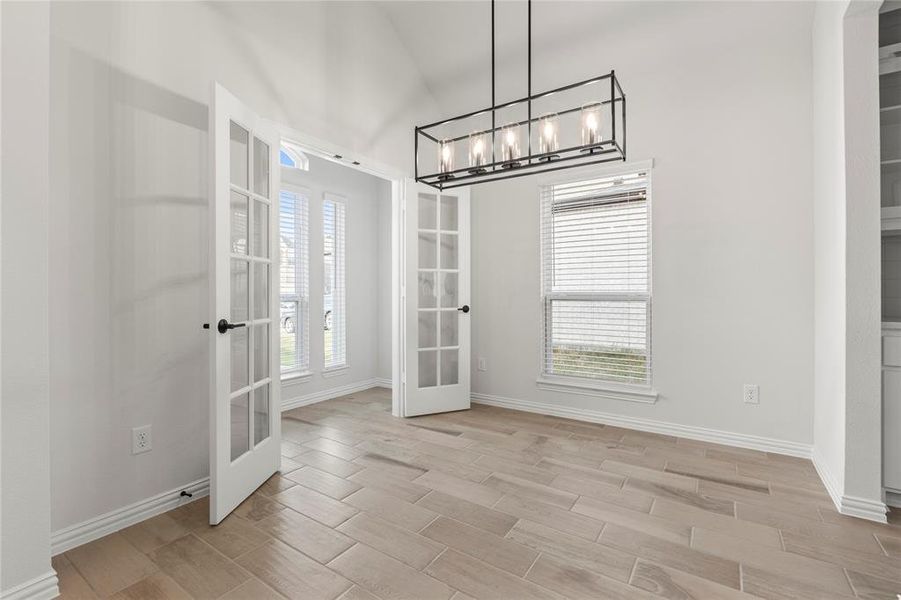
(397, 178)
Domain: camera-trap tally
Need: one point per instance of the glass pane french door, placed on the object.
(244, 400)
(437, 258)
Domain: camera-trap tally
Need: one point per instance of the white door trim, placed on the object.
(353, 160)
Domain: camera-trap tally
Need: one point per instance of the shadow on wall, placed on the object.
(129, 286)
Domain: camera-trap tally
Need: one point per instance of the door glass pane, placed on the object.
(427, 289)
(260, 167)
(428, 329)
(448, 251)
(260, 290)
(261, 413)
(260, 229)
(449, 327)
(260, 352)
(449, 367)
(238, 415)
(448, 290)
(428, 211)
(238, 153)
(239, 223)
(238, 343)
(448, 213)
(239, 290)
(428, 368)
(427, 250)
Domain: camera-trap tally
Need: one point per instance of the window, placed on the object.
(595, 280)
(294, 226)
(292, 157)
(334, 317)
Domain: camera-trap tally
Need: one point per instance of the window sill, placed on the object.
(335, 371)
(297, 376)
(630, 393)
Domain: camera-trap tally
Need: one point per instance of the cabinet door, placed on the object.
(891, 422)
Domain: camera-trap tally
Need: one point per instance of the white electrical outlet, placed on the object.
(141, 439)
(752, 394)
(483, 364)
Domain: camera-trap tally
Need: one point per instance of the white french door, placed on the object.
(245, 426)
(437, 309)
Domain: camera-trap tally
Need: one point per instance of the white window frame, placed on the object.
(301, 161)
(303, 312)
(643, 393)
(333, 369)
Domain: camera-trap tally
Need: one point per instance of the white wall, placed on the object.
(863, 410)
(24, 386)
(128, 230)
(848, 410)
(726, 118)
(829, 243)
(366, 198)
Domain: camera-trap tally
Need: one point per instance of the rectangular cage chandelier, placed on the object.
(575, 125)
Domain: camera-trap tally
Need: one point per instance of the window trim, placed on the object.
(337, 368)
(301, 160)
(300, 373)
(634, 392)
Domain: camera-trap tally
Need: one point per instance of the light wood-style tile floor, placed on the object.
(492, 503)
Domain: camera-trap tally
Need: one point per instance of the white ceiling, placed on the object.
(450, 40)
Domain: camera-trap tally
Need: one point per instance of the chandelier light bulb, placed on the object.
(547, 136)
(445, 157)
(510, 150)
(478, 152)
(591, 124)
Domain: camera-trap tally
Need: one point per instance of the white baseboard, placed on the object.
(702, 434)
(863, 508)
(384, 382)
(335, 392)
(113, 521)
(43, 587)
(852, 506)
(828, 479)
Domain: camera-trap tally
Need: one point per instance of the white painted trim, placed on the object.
(715, 436)
(383, 382)
(335, 392)
(92, 529)
(396, 177)
(645, 395)
(828, 479)
(295, 377)
(43, 587)
(863, 508)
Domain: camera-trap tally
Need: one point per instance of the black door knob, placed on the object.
(224, 325)
(464, 308)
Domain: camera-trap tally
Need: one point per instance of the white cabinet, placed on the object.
(891, 407)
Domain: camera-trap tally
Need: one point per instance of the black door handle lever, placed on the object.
(224, 325)
(464, 308)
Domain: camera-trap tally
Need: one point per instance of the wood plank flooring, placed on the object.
(498, 504)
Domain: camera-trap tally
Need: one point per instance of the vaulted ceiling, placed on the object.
(450, 41)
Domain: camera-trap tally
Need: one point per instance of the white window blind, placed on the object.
(595, 252)
(294, 308)
(334, 284)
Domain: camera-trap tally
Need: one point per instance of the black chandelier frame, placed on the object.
(529, 163)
